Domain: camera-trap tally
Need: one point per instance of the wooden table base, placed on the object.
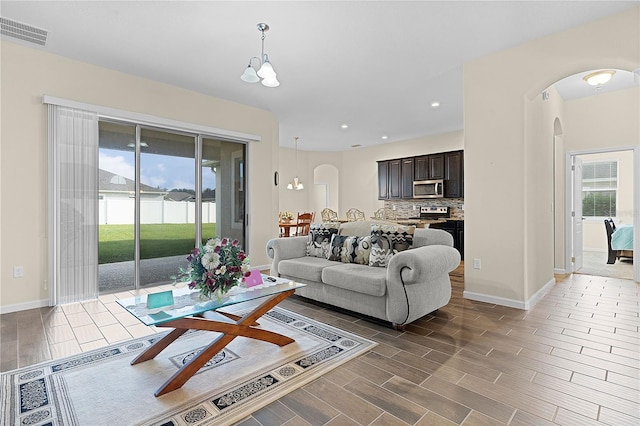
(243, 326)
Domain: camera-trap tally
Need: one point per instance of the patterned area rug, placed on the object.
(102, 388)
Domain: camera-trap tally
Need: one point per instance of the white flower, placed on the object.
(222, 270)
(211, 245)
(245, 267)
(210, 260)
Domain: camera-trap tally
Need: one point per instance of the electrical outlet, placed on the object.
(394, 207)
(477, 264)
(18, 271)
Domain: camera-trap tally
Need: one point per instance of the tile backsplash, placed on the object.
(405, 208)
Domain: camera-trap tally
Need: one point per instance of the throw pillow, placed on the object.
(350, 249)
(357, 250)
(335, 249)
(387, 240)
(319, 242)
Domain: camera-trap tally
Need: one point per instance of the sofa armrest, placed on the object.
(285, 248)
(418, 281)
(422, 264)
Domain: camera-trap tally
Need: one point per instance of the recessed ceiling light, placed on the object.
(385, 137)
(435, 104)
(345, 126)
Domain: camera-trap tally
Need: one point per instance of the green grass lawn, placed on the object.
(156, 240)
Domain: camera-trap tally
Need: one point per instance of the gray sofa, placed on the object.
(415, 282)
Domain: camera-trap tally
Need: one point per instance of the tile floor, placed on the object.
(574, 359)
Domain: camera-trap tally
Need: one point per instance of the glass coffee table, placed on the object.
(185, 311)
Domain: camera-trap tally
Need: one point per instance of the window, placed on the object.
(599, 189)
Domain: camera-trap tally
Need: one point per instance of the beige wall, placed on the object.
(27, 75)
(499, 153)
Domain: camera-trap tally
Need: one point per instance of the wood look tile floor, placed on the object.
(573, 359)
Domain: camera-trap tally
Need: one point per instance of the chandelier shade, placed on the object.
(265, 72)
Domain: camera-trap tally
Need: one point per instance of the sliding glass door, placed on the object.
(162, 203)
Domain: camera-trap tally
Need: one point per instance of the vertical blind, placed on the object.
(73, 213)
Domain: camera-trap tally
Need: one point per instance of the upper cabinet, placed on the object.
(453, 175)
(421, 168)
(396, 177)
(389, 179)
(407, 178)
(436, 166)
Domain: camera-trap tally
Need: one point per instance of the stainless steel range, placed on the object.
(434, 212)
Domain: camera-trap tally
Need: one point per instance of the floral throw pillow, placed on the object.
(387, 240)
(319, 242)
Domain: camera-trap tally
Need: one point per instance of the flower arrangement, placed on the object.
(286, 215)
(216, 267)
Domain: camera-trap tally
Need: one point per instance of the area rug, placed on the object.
(102, 388)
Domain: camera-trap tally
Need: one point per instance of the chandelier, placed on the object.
(295, 183)
(265, 72)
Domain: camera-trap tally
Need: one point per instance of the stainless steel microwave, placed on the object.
(428, 188)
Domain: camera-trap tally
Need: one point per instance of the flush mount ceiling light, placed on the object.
(295, 183)
(599, 78)
(435, 104)
(265, 72)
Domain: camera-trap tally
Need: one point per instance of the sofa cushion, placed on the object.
(387, 240)
(358, 278)
(360, 228)
(319, 241)
(306, 268)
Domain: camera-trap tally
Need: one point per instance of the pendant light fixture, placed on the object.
(265, 72)
(295, 183)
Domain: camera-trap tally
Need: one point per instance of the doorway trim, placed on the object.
(636, 204)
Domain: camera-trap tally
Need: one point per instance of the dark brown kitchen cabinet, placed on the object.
(453, 175)
(436, 166)
(421, 168)
(395, 179)
(389, 179)
(383, 180)
(407, 178)
(456, 229)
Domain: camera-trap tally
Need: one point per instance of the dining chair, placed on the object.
(379, 214)
(610, 227)
(329, 215)
(304, 222)
(354, 214)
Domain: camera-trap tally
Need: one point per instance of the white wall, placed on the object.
(28, 74)
(499, 151)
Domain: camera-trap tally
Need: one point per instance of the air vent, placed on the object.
(22, 31)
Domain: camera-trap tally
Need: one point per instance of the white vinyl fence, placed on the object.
(115, 211)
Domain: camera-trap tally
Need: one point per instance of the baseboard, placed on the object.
(511, 303)
(494, 300)
(533, 300)
(24, 306)
(561, 272)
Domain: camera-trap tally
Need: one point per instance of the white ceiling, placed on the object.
(376, 66)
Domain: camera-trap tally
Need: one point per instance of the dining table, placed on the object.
(286, 227)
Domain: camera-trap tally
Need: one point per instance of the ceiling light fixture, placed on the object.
(435, 104)
(385, 137)
(598, 78)
(265, 72)
(295, 183)
(344, 126)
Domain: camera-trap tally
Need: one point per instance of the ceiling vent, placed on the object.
(15, 29)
